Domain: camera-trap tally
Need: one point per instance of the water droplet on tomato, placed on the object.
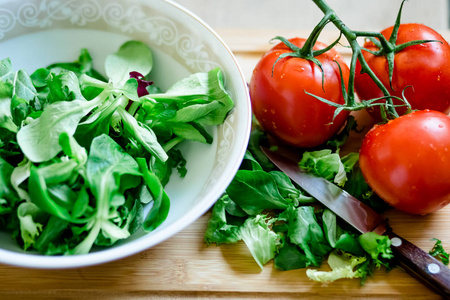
(272, 111)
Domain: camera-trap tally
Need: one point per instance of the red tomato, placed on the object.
(424, 67)
(407, 161)
(281, 105)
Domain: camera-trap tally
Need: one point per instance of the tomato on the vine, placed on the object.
(407, 161)
(421, 71)
(279, 99)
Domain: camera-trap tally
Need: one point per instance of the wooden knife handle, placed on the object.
(421, 265)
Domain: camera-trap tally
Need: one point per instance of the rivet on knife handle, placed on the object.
(421, 265)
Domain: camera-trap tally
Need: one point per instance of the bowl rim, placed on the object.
(39, 261)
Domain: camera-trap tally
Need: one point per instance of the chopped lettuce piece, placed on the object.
(304, 231)
(439, 252)
(260, 240)
(377, 246)
(342, 266)
(337, 237)
(326, 164)
(218, 230)
(290, 257)
(255, 191)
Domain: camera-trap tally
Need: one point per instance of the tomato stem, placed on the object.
(352, 37)
(307, 49)
(387, 47)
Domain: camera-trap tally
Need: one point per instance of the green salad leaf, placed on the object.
(132, 56)
(439, 252)
(328, 165)
(7, 73)
(39, 140)
(277, 220)
(260, 240)
(304, 231)
(255, 191)
(337, 237)
(342, 266)
(81, 154)
(221, 229)
(378, 247)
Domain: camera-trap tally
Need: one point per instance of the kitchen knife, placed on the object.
(414, 260)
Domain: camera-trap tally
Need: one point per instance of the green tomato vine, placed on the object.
(387, 47)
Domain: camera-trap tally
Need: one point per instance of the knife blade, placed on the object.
(414, 260)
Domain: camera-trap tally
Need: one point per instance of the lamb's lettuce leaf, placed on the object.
(132, 56)
(82, 153)
(39, 140)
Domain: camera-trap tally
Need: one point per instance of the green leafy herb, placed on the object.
(439, 252)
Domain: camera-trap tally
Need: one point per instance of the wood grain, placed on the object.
(184, 267)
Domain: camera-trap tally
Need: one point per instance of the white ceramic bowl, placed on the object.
(35, 33)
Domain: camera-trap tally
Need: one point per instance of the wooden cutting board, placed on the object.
(184, 267)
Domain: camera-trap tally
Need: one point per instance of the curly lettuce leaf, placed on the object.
(259, 238)
(324, 163)
(342, 266)
(377, 246)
